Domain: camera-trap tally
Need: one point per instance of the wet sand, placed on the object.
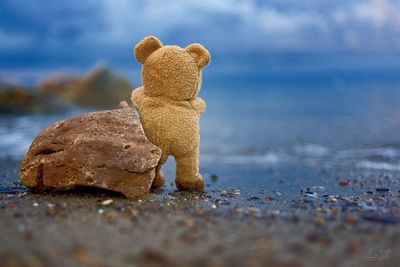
(320, 222)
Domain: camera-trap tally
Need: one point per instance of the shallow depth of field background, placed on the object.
(289, 80)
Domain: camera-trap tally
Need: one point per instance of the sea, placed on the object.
(284, 135)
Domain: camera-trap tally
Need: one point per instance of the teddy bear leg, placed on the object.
(187, 172)
(159, 179)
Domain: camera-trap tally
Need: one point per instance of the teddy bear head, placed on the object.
(171, 71)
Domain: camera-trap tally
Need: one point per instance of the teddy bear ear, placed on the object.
(146, 47)
(200, 54)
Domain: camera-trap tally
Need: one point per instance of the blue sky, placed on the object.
(39, 38)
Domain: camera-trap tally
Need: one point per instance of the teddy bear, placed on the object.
(169, 106)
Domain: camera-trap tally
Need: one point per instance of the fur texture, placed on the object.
(169, 105)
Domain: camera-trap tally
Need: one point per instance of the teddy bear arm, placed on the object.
(198, 104)
(138, 97)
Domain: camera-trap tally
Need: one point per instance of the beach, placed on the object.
(305, 178)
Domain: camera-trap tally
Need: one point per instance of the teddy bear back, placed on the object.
(171, 72)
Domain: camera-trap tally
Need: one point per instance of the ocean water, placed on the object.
(250, 135)
(356, 124)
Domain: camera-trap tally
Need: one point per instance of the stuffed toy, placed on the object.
(169, 106)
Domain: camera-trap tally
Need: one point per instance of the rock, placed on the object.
(20, 103)
(58, 85)
(105, 149)
(100, 89)
(12, 96)
(15, 99)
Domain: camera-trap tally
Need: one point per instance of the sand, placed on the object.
(222, 227)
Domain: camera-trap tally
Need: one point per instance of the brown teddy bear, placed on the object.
(169, 107)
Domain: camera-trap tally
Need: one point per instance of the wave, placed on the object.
(387, 152)
(366, 164)
(269, 158)
(16, 135)
(317, 155)
(314, 150)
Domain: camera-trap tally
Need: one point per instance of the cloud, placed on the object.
(238, 24)
(78, 33)
(14, 41)
(224, 24)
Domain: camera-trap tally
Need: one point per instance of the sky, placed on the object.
(42, 37)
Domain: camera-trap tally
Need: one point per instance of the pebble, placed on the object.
(318, 188)
(134, 212)
(253, 211)
(189, 223)
(311, 194)
(107, 202)
(111, 215)
(52, 211)
(351, 220)
(35, 204)
(308, 201)
(214, 178)
(154, 258)
(12, 213)
(228, 194)
(268, 199)
(276, 192)
(238, 210)
(333, 199)
(11, 206)
(382, 189)
(276, 212)
(80, 254)
(367, 206)
(319, 223)
(318, 238)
